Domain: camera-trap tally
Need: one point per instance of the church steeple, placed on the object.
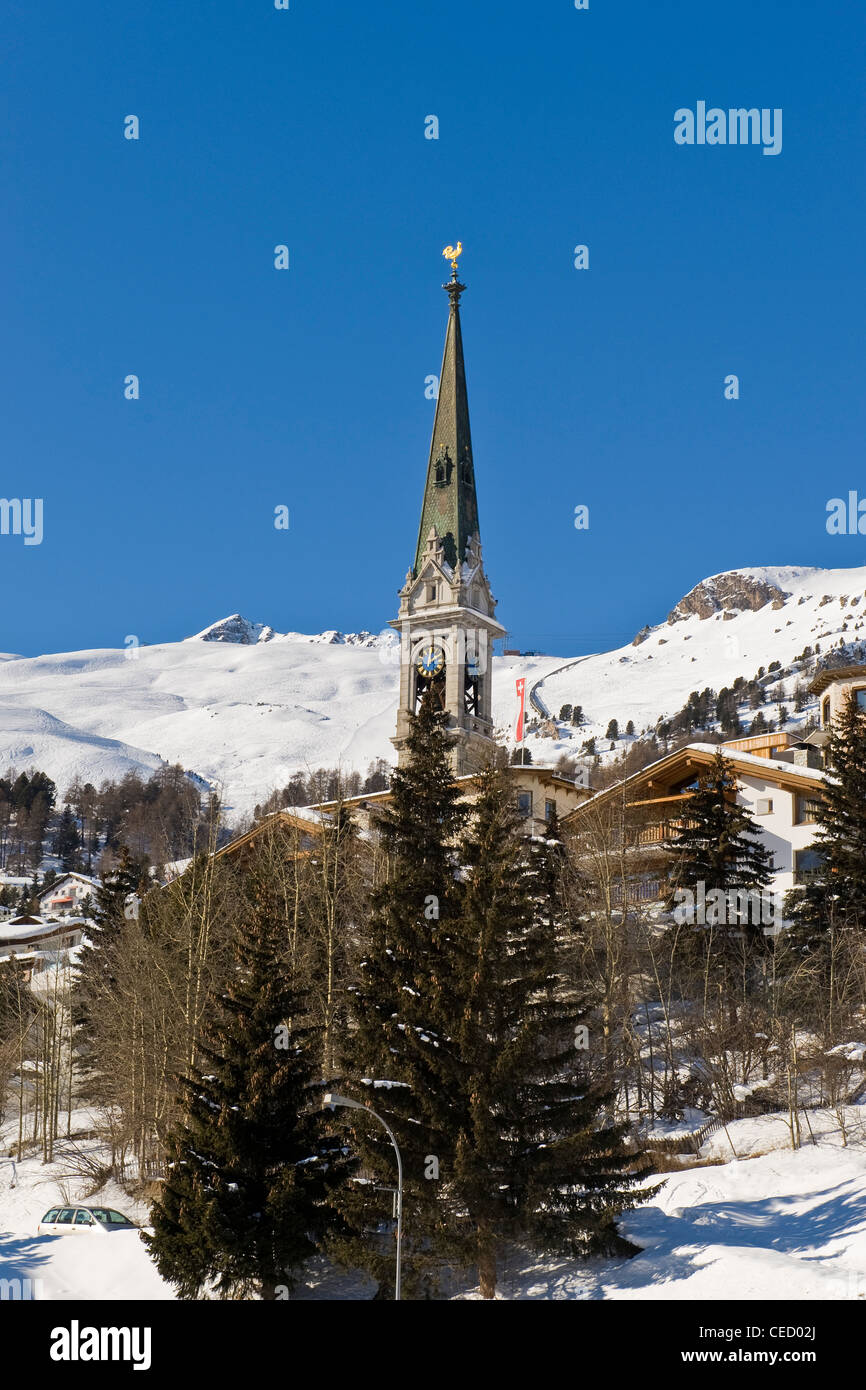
(447, 621)
(450, 503)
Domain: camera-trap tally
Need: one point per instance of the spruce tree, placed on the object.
(95, 973)
(403, 1007)
(836, 893)
(717, 846)
(67, 840)
(252, 1170)
(468, 1041)
(533, 1157)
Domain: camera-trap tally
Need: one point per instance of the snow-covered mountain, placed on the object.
(729, 625)
(244, 706)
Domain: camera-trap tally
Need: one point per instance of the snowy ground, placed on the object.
(781, 1225)
(247, 710)
(82, 1265)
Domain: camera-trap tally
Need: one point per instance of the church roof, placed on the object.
(450, 504)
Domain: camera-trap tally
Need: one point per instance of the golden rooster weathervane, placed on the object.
(452, 252)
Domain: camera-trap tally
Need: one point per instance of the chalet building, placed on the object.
(540, 796)
(301, 827)
(66, 896)
(833, 687)
(775, 780)
(34, 943)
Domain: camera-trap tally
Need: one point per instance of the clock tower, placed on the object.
(446, 619)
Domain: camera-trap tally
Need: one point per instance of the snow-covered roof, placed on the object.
(22, 928)
(73, 876)
(764, 765)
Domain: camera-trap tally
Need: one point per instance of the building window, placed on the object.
(764, 806)
(807, 863)
(825, 712)
(860, 697)
(524, 803)
(808, 810)
(549, 809)
(432, 593)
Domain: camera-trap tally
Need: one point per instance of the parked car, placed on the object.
(59, 1221)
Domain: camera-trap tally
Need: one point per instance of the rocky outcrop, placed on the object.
(235, 629)
(734, 592)
(244, 633)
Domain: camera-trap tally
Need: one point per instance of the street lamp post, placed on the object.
(333, 1101)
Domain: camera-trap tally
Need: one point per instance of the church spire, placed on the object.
(450, 504)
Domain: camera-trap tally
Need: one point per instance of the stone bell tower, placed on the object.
(446, 619)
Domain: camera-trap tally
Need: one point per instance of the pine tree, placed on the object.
(127, 880)
(532, 1158)
(836, 894)
(717, 847)
(470, 1024)
(727, 711)
(403, 1005)
(252, 1170)
(67, 840)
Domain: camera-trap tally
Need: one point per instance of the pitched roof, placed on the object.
(831, 674)
(659, 777)
(306, 819)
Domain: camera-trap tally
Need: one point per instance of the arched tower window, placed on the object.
(442, 470)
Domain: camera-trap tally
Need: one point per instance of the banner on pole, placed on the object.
(521, 709)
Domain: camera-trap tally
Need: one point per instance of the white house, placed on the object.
(774, 780)
(66, 895)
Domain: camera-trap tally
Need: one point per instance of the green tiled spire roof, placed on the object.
(450, 503)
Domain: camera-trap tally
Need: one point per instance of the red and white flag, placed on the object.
(521, 709)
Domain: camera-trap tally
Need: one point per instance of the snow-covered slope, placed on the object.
(729, 625)
(780, 1225)
(244, 714)
(786, 1226)
(244, 707)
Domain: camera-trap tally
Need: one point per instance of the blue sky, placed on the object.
(306, 387)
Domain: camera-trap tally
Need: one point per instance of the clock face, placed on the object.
(431, 661)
